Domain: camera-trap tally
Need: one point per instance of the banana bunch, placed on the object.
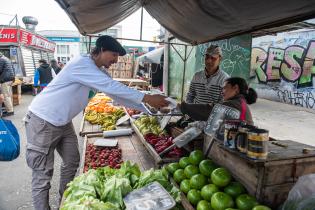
(92, 117)
(106, 120)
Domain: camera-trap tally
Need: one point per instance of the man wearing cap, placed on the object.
(206, 86)
(48, 122)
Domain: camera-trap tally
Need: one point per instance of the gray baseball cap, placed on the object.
(214, 50)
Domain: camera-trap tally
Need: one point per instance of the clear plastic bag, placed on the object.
(302, 195)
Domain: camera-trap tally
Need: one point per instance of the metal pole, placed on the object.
(141, 23)
(166, 63)
(184, 74)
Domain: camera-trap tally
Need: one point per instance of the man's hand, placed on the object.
(1, 98)
(157, 101)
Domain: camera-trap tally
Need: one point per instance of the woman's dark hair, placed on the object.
(249, 93)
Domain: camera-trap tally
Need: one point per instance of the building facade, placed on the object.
(70, 44)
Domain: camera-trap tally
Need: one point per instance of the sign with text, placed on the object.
(27, 38)
(214, 126)
(150, 197)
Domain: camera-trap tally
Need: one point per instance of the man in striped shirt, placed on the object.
(206, 86)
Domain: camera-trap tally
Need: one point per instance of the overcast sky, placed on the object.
(51, 17)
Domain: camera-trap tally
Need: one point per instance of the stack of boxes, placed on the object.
(123, 68)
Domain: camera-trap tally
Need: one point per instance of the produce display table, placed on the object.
(132, 149)
(268, 180)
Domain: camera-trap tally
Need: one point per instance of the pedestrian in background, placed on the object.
(54, 64)
(43, 75)
(6, 69)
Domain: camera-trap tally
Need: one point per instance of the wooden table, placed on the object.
(268, 180)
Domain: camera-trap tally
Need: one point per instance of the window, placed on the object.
(63, 49)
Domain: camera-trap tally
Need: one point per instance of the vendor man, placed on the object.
(48, 122)
(206, 86)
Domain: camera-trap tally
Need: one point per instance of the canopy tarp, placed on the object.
(153, 56)
(192, 21)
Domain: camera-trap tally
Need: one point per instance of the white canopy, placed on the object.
(192, 21)
(153, 56)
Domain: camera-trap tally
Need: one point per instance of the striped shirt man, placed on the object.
(206, 89)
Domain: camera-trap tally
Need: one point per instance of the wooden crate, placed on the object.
(128, 74)
(158, 161)
(268, 180)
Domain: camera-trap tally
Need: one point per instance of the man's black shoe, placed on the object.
(6, 114)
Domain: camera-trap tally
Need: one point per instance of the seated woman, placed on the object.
(236, 94)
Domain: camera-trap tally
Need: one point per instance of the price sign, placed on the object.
(214, 126)
(150, 197)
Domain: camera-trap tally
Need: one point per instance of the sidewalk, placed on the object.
(284, 121)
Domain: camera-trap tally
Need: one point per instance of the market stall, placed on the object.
(223, 173)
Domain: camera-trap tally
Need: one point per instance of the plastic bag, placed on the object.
(302, 195)
(9, 141)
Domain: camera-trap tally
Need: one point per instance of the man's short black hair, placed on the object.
(42, 61)
(109, 43)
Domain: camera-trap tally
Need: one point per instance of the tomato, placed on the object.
(183, 162)
(221, 201)
(206, 167)
(221, 177)
(191, 170)
(179, 175)
(234, 189)
(261, 207)
(197, 181)
(246, 202)
(208, 190)
(194, 196)
(185, 186)
(196, 157)
(204, 205)
(172, 167)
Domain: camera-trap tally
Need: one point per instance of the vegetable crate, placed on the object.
(268, 180)
(158, 161)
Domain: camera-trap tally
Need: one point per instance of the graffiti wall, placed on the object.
(283, 67)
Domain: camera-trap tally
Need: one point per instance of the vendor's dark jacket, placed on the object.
(201, 112)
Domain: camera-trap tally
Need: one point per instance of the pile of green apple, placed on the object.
(210, 187)
(149, 124)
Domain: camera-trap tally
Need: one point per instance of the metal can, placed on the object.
(230, 132)
(257, 143)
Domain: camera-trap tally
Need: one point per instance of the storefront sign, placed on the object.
(10, 35)
(214, 126)
(64, 39)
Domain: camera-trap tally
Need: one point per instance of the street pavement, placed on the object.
(15, 176)
(282, 120)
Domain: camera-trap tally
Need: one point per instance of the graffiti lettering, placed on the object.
(303, 99)
(293, 64)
